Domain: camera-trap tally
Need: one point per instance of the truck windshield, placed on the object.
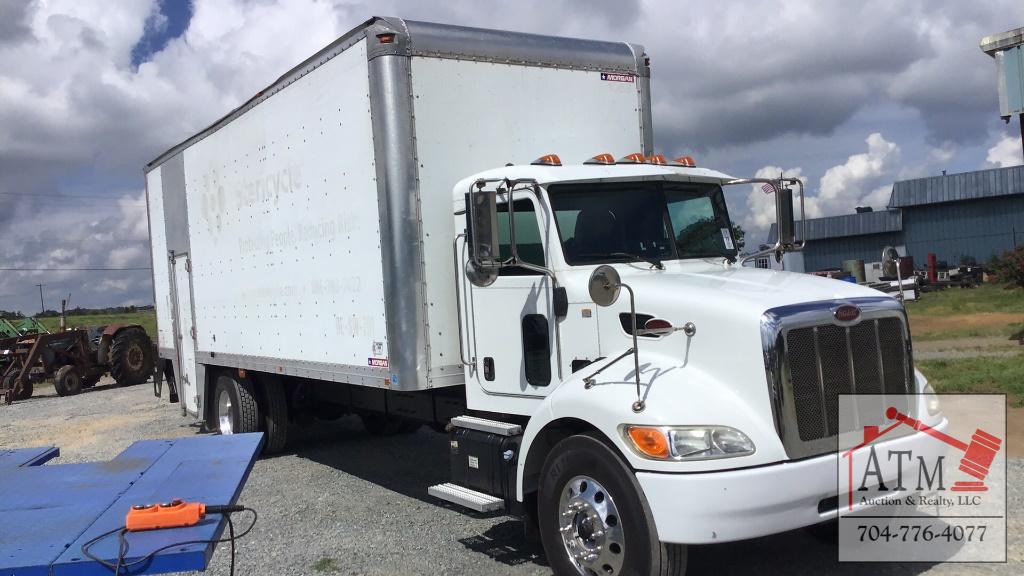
(624, 222)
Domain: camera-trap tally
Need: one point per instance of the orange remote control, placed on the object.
(173, 514)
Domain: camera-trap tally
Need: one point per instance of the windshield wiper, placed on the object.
(649, 259)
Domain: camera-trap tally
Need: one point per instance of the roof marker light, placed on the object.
(635, 158)
(605, 158)
(686, 161)
(548, 160)
(386, 37)
(658, 159)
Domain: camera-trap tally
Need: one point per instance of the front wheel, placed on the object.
(594, 520)
(237, 411)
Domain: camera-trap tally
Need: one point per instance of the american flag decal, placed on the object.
(768, 189)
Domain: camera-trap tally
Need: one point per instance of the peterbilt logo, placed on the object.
(846, 313)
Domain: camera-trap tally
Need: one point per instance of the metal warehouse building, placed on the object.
(974, 214)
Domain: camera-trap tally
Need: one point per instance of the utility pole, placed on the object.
(42, 306)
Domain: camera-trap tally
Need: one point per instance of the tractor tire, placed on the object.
(276, 417)
(67, 381)
(131, 357)
(236, 409)
(22, 393)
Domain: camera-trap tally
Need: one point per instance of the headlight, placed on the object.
(688, 442)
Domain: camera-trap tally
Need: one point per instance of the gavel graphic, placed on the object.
(978, 455)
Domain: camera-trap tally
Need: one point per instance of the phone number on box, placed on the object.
(921, 533)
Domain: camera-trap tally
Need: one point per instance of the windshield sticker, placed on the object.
(728, 239)
(614, 77)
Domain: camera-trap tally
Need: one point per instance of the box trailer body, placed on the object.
(308, 233)
(371, 234)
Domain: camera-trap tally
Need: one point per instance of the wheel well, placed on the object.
(553, 433)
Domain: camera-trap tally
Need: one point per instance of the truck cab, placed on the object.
(667, 394)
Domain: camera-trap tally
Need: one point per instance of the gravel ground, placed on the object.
(343, 502)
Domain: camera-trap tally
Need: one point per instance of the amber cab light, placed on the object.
(686, 161)
(635, 158)
(602, 159)
(386, 37)
(658, 159)
(548, 160)
(651, 442)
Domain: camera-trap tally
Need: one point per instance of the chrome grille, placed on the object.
(826, 360)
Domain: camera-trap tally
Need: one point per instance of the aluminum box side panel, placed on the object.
(160, 261)
(284, 225)
(473, 116)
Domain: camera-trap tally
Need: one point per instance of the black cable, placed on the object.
(123, 544)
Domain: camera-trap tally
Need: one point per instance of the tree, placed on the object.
(738, 236)
(1009, 267)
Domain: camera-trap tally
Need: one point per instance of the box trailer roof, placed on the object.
(411, 38)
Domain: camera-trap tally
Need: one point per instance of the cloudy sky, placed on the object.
(848, 95)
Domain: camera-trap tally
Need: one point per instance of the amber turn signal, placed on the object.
(651, 442)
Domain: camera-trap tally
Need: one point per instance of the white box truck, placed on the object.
(369, 235)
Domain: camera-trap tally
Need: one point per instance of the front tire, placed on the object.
(236, 410)
(24, 392)
(593, 518)
(67, 381)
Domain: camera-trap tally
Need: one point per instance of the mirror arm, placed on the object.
(458, 301)
(638, 406)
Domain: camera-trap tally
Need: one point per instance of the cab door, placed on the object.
(513, 323)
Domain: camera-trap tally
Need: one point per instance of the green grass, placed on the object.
(983, 374)
(147, 319)
(992, 331)
(986, 311)
(984, 298)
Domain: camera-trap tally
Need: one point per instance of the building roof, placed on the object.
(847, 225)
(958, 187)
(1004, 41)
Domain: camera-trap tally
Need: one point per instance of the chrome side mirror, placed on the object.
(604, 285)
(485, 258)
(784, 216)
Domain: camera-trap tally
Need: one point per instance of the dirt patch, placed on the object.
(966, 347)
(958, 323)
(1015, 432)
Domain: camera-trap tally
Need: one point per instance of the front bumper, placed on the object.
(705, 508)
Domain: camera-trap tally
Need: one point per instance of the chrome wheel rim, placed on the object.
(591, 528)
(224, 412)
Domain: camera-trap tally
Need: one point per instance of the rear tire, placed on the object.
(67, 381)
(235, 407)
(587, 489)
(131, 357)
(276, 416)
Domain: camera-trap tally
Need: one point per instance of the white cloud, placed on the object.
(1006, 152)
(857, 180)
(77, 118)
(865, 179)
